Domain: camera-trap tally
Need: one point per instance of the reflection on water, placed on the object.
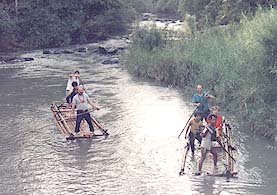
(142, 155)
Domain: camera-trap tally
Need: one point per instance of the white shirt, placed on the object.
(81, 105)
(70, 81)
(206, 142)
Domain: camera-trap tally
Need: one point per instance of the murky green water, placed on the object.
(142, 155)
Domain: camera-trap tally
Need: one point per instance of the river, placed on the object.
(142, 155)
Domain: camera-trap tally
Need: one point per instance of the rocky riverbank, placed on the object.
(110, 50)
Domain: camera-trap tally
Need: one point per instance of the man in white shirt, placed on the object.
(81, 101)
(209, 135)
(75, 77)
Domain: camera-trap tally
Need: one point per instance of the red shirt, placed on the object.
(218, 123)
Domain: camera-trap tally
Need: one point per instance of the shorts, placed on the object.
(215, 144)
(206, 144)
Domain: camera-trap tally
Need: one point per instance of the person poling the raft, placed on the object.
(200, 100)
(81, 101)
(75, 77)
(209, 136)
(194, 130)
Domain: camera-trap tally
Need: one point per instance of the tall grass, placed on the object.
(238, 63)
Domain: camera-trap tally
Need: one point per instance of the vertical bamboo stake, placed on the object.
(16, 7)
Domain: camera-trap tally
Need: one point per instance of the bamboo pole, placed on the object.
(230, 144)
(104, 131)
(183, 165)
(59, 125)
(228, 158)
(63, 121)
(16, 7)
(58, 122)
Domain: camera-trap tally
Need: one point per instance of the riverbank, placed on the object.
(237, 64)
(110, 49)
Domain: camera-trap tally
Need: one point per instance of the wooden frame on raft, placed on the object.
(228, 170)
(229, 147)
(66, 123)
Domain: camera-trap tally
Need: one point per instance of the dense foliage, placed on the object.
(221, 12)
(206, 12)
(237, 63)
(49, 23)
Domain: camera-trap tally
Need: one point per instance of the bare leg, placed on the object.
(202, 158)
(214, 153)
(191, 140)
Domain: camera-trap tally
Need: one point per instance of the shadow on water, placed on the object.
(142, 155)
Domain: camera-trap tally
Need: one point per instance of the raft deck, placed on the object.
(225, 164)
(66, 121)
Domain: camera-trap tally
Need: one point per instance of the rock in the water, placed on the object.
(22, 60)
(102, 50)
(81, 49)
(28, 59)
(110, 51)
(8, 59)
(66, 51)
(111, 61)
(120, 50)
(46, 51)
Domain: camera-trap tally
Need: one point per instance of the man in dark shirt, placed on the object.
(200, 100)
(73, 93)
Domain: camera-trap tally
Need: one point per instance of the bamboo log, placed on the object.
(231, 144)
(63, 121)
(183, 165)
(59, 125)
(58, 122)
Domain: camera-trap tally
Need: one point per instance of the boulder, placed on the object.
(9, 59)
(111, 61)
(22, 60)
(120, 50)
(57, 52)
(81, 49)
(102, 50)
(46, 51)
(28, 59)
(110, 51)
(66, 52)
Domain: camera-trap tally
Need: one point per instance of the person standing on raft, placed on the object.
(193, 130)
(200, 100)
(219, 120)
(209, 136)
(75, 77)
(69, 98)
(81, 101)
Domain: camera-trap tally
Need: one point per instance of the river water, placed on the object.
(142, 155)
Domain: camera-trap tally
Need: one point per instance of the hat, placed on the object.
(74, 84)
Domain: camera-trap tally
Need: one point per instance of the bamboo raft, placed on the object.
(66, 122)
(226, 163)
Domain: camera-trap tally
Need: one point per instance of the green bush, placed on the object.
(148, 39)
